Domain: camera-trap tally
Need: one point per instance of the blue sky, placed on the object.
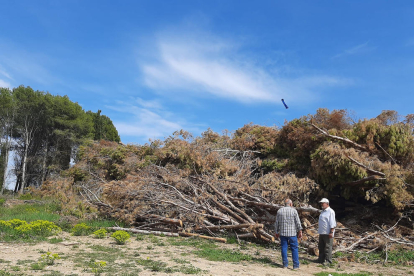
(155, 67)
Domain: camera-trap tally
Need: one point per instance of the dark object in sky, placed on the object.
(283, 101)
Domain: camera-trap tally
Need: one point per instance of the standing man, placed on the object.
(327, 224)
(287, 227)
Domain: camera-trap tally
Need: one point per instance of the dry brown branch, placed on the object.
(146, 232)
(365, 167)
(354, 244)
(233, 227)
(346, 140)
(386, 152)
(184, 234)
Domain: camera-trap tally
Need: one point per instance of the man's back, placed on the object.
(287, 222)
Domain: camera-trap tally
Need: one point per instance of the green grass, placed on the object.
(223, 255)
(55, 240)
(102, 223)
(159, 266)
(400, 256)
(5, 273)
(105, 249)
(31, 212)
(192, 242)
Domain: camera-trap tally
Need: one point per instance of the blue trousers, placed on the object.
(294, 247)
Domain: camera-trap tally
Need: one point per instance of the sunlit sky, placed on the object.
(154, 67)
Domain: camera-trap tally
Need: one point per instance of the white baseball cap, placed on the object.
(324, 200)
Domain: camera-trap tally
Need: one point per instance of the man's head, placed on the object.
(288, 202)
(324, 203)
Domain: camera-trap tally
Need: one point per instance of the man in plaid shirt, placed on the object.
(289, 229)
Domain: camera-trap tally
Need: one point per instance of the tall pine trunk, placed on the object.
(24, 164)
(5, 151)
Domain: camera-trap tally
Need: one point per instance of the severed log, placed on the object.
(264, 219)
(346, 140)
(228, 210)
(146, 232)
(235, 209)
(159, 229)
(263, 235)
(165, 220)
(246, 236)
(215, 214)
(273, 206)
(184, 234)
(232, 227)
(366, 168)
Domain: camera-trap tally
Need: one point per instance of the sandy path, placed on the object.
(15, 256)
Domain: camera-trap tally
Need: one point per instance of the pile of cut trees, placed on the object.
(162, 203)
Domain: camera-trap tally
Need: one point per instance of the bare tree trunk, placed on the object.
(8, 135)
(24, 165)
(5, 164)
(46, 150)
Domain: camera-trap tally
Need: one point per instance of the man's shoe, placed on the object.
(296, 268)
(285, 267)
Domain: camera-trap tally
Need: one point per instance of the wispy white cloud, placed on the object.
(4, 83)
(5, 74)
(147, 119)
(208, 65)
(361, 48)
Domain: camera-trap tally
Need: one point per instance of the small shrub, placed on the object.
(44, 228)
(26, 197)
(2, 201)
(81, 229)
(97, 267)
(120, 237)
(5, 224)
(50, 258)
(100, 234)
(14, 223)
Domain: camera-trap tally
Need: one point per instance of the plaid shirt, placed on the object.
(287, 222)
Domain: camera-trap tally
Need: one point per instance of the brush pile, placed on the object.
(220, 185)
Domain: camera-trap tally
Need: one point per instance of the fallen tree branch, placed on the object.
(346, 140)
(366, 168)
(146, 232)
(184, 234)
(354, 244)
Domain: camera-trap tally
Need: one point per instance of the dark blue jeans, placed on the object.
(293, 242)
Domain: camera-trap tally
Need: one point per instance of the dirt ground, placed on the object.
(76, 252)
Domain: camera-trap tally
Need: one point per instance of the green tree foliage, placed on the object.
(103, 127)
(46, 129)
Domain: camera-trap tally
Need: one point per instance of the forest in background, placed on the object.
(44, 131)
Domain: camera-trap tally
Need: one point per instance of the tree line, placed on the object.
(44, 131)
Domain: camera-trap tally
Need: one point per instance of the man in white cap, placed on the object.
(326, 230)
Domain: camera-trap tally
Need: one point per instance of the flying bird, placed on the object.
(283, 101)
